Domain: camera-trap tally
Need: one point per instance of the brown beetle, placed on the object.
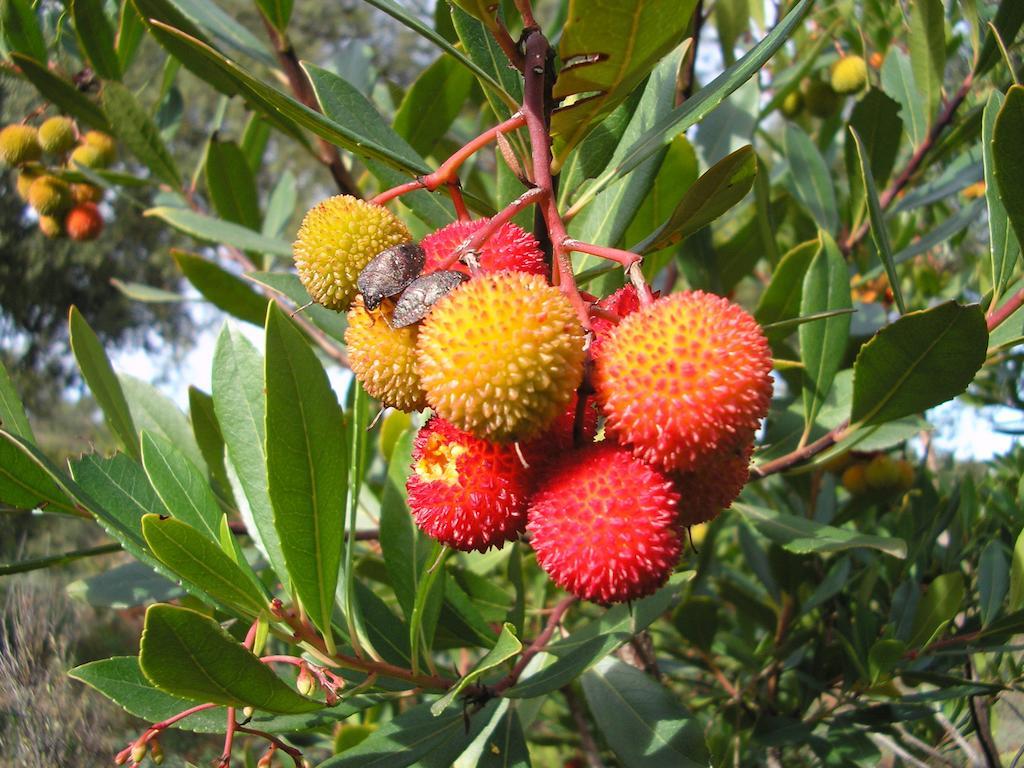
(421, 294)
(389, 272)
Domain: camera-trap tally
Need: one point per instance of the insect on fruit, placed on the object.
(421, 294)
(389, 272)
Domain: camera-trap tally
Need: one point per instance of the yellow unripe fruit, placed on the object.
(26, 176)
(49, 195)
(838, 463)
(501, 356)
(820, 99)
(854, 479)
(383, 358)
(793, 104)
(87, 156)
(57, 135)
(906, 474)
(103, 143)
(336, 240)
(86, 193)
(849, 75)
(882, 472)
(51, 226)
(19, 144)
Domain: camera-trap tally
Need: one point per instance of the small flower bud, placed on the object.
(122, 757)
(305, 683)
(266, 761)
(248, 712)
(156, 752)
(139, 752)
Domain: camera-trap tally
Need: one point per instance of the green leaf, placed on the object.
(278, 12)
(928, 50)
(23, 484)
(129, 585)
(239, 402)
(180, 485)
(923, 359)
(1004, 246)
(676, 174)
(810, 179)
(876, 119)
(12, 412)
(208, 436)
(426, 608)
(940, 604)
(694, 109)
(307, 466)
(224, 28)
(221, 288)
(187, 654)
(21, 31)
(197, 558)
(781, 299)
(281, 205)
(641, 720)
(62, 93)
(220, 232)
(899, 83)
(99, 375)
(822, 345)
(130, 31)
(505, 746)
(432, 103)
(153, 411)
(600, 69)
(231, 184)
(1008, 20)
(993, 581)
(879, 233)
(508, 646)
(803, 536)
(717, 190)
(1016, 602)
(288, 284)
(502, 85)
(1007, 160)
(132, 125)
(147, 293)
(96, 37)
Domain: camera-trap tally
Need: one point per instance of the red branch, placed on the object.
(997, 315)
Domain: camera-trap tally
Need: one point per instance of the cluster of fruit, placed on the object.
(878, 474)
(517, 387)
(64, 208)
(821, 98)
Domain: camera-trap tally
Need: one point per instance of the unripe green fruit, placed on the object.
(19, 144)
(849, 75)
(49, 195)
(793, 104)
(882, 472)
(51, 226)
(57, 135)
(87, 156)
(26, 176)
(103, 143)
(820, 99)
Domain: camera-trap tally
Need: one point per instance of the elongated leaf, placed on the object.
(221, 288)
(61, 92)
(993, 581)
(488, 58)
(103, 383)
(940, 604)
(179, 484)
(195, 557)
(803, 536)
(23, 484)
(12, 412)
(810, 178)
(1008, 20)
(187, 654)
(716, 191)
(208, 436)
(153, 411)
(96, 37)
(1007, 160)
(508, 645)
(781, 299)
(130, 31)
(923, 359)
(432, 103)
(643, 723)
(676, 174)
(278, 12)
(231, 184)
(1003, 243)
(281, 205)
(879, 233)
(1016, 602)
(426, 608)
(307, 466)
(21, 29)
(899, 83)
(876, 119)
(288, 284)
(226, 30)
(822, 345)
(505, 746)
(928, 50)
(218, 231)
(606, 50)
(133, 126)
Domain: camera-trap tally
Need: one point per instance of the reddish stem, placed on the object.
(999, 314)
(800, 455)
(538, 645)
(493, 224)
(229, 739)
(525, 9)
(619, 256)
(455, 192)
(292, 752)
(155, 729)
(295, 660)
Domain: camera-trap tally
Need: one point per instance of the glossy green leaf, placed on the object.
(717, 190)
(1007, 160)
(426, 607)
(123, 586)
(822, 345)
(1003, 243)
(211, 230)
(278, 12)
(130, 31)
(505, 648)
(899, 83)
(505, 745)
(928, 50)
(231, 184)
(1008, 20)
(180, 485)
(154, 411)
(606, 50)
(12, 412)
(187, 654)
(503, 86)
(810, 178)
(96, 37)
(923, 359)
(676, 174)
(225, 29)
(132, 125)
(200, 560)
(1016, 601)
(938, 607)
(993, 581)
(221, 288)
(781, 299)
(208, 436)
(879, 232)
(803, 536)
(876, 119)
(21, 31)
(307, 466)
(641, 720)
(61, 92)
(23, 484)
(432, 103)
(99, 375)
(147, 293)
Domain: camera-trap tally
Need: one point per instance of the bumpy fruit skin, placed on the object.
(854, 479)
(86, 193)
(509, 248)
(467, 493)
(906, 475)
(49, 195)
(87, 156)
(57, 135)
(558, 438)
(383, 358)
(882, 473)
(103, 143)
(336, 240)
(684, 377)
(51, 226)
(849, 75)
(501, 356)
(26, 176)
(604, 524)
(19, 144)
(84, 222)
(714, 484)
(820, 99)
(793, 104)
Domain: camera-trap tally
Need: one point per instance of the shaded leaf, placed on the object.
(1003, 244)
(221, 288)
(899, 83)
(62, 93)
(1008, 163)
(432, 103)
(505, 648)
(96, 37)
(810, 178)
(132, 125)
(993, 581)
(803, 536)
(936, 609)
(231, 184)
(781, 299)
(928, 50)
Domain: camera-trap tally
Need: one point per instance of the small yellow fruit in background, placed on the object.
(51, 226)
(19, 144)
(854, 479)
(698, 533)
(849, 75)
(103, 143)
(86, 193)
(882, 472)
(57, 135)
(87, 156)
(26, 176)
(793, 104)
(49, 195)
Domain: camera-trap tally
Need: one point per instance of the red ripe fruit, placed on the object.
(559, 438)
(84, 222)
(623, 302)
(604, 524)
(714, 483)
(466, 492)
(509, 248)
(684, 378)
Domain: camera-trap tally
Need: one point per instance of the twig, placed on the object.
(591, 751)
(982, 727)
(292, 752)
(800, 455)
(538, 645)
(997, 315)
(689, 78)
